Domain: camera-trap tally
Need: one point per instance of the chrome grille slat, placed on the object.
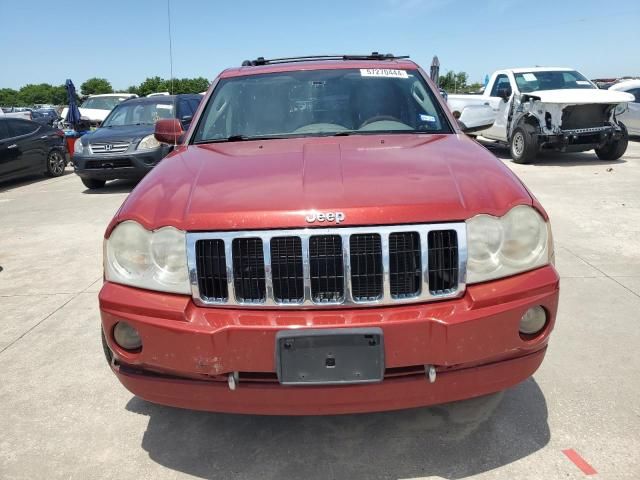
(116, 147)
(263, 274)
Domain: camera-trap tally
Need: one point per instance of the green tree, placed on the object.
(152, 85)
(179, 85)
(453, 82)
(35, 93)
(8, 97)
(95, 86)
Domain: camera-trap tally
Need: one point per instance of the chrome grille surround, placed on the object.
(424, 295)
(116, 147)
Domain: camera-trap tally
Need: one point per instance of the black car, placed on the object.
(124, 146)
(28, 148)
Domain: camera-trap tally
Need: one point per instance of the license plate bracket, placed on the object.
(330, 356)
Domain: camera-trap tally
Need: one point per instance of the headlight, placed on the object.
(499, 247)
(151, 260)
(621, 108)
(77, 146)
(148, 143)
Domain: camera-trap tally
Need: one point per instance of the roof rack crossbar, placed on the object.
(310, 58)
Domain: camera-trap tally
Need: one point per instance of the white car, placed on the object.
(550, 108)
(97, 107)
(631, 117)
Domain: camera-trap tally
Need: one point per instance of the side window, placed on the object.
(194, 104)
(501, 85)
(18, 128)
(184, 109)
(4, 130)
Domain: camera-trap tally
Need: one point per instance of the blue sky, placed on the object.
(127, 41)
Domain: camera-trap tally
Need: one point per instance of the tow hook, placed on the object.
(430, 373)
(233, 380)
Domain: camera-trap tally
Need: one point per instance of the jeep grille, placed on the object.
(361, 266)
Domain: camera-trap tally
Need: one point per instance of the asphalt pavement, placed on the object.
(64, 415)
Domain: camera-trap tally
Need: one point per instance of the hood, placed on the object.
(578, 96)
(373, 180)
(119, 134)
(93, 114)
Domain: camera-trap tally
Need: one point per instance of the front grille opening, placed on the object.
(366, 266)
(115, 163)
(248, 269)
(212, 270)
(326, 268)
(443, 261)
(405, 264)
(286, 269)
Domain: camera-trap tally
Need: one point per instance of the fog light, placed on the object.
(533, 320)
(126, 336)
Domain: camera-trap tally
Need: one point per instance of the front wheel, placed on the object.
(56, 163)
(614, 149)
(524, 144)
(93, 183)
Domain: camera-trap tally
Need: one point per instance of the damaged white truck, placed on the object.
(550, 108)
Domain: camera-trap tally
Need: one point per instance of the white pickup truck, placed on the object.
(550, 108)
(96, 107)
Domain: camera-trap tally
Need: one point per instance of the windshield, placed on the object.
(320, 102)
(139, 113)
(551, 80)
(102, 103)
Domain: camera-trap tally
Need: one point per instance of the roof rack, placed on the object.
(312, 58)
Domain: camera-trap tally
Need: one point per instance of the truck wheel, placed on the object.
(615, 149)
(524, 144)
(55, 164)
(93, 183)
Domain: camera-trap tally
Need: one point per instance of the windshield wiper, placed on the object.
(238, 138)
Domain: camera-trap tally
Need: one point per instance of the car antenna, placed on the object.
(175, 142)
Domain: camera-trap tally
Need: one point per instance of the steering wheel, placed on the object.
(380, 118)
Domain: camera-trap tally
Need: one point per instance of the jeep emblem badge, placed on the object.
(325, 217)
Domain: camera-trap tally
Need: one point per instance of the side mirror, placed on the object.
(186, 119)
(504, 93)
(168, 130)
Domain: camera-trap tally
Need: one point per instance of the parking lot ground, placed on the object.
(64, 415)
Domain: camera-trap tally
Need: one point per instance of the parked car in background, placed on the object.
(550, 108)
(27, 147)
(324, 240)
(44, 116)
(631, 116)
(51, 114)
(124, 146)
(96, 107)
(16, 112)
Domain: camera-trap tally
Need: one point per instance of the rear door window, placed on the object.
(18, 128)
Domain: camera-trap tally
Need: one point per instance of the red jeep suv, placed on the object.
(325, 239)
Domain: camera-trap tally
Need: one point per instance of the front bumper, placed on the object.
(580, 139)
(127, 165)
(188, 351)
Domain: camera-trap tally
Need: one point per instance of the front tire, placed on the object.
(93, 183)
(613, 150)
(524, 144)
(56, 163)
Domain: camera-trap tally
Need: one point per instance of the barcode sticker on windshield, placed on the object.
(583, 82)
(383, 72)
(529, 77)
